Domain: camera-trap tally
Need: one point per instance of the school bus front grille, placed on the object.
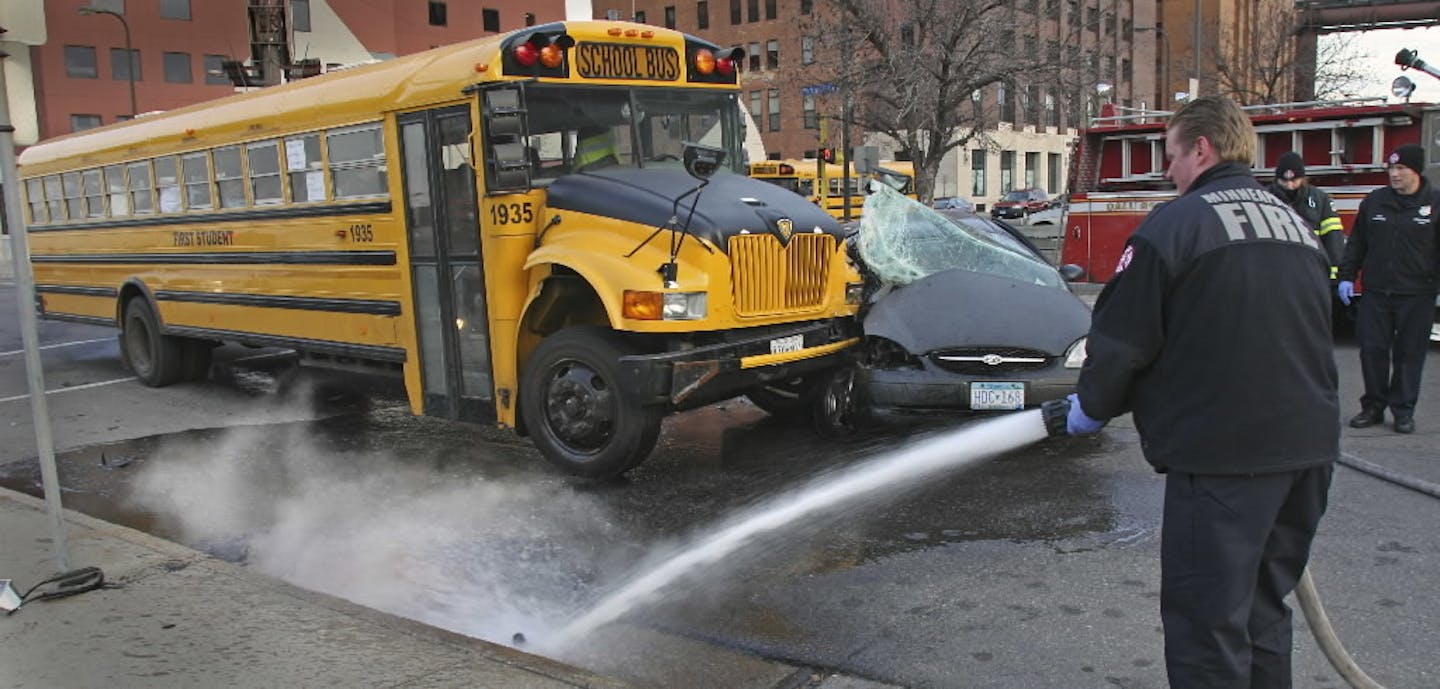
(768, 278)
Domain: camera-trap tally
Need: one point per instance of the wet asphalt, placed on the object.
(1037, 568)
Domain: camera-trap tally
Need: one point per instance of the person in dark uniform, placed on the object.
(1312, 204)
(1394, 247)
(1215, 333)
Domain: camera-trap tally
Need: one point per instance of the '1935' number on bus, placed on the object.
(361, 233)
(512, 213)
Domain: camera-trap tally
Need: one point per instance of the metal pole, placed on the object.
(845, 146)
(1199, 36)
(129, 53)
(25, 293)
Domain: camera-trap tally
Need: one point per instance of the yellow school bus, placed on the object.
(801, 176)
(548, 229)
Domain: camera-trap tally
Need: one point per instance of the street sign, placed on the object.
(817, 90)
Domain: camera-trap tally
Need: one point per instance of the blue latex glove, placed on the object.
(1346, 291)
(1078, 423)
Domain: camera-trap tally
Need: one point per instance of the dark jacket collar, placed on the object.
(1221, 171)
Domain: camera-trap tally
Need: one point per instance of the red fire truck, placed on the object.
(1117, 173)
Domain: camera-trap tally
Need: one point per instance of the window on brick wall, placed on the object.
(175, 9)
(490, 20)
(756, 110)
(702, 14)
(1006, 103)
(770, 9)
(80, 62)
(807, 106)
(774, 97)
(437, 13)
(807, 50)
(734, 11)
(79, 123)
(772, 54)
(122, 68)
(754, 51)
(639, 17)
(807, 6)
(752, 10)
(177, 68)
(669, 16)
(215, 70)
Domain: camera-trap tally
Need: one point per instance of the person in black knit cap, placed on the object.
(1393, 246)
(1312, 204)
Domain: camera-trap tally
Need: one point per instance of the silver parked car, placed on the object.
(961, 314)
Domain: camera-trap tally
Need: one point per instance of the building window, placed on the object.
(80, 62)
(437, 13)
(639, 17)
(754, 49)
(807, 105)
(669, 16)
(1006, 103)
(215, 70)
(1052, 116)
(807, 6)
(175, 9)
(702, 14)
(772, 54)
(177, 68)
(1032, 169)
(300, 15)
(907, 35)
(1126, 71)
(122, 69)
(1054, 173)
(490, 20)
(752, 10)
(734, 11)
(1032, 105)
(977, 172)
(807, 50)
(1007, 171)
(755, 110)
(116, 6)
(774, 95)
(770, 9)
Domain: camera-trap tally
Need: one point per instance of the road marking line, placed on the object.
(73, 387)
(62, 344)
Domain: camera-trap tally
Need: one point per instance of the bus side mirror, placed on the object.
(702, 161)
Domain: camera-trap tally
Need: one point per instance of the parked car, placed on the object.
(1020, 203)
(961, 314)
(953, 203)
(1053, 215)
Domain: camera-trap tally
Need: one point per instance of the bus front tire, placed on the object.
(576, 409)
(156, 359)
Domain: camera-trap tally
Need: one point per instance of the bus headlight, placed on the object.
(853, 293)
(1075, 356)
(668, 306)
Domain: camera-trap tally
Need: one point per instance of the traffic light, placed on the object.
(827, 155)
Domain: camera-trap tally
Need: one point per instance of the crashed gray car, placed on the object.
(961, 314)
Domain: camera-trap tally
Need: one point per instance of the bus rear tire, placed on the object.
(154, 358)
(576, 409)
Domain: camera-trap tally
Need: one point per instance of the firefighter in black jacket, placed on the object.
(1312, 204)
(1215, 332)
(1393, 245)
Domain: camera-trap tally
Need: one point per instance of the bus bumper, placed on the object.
(699, 376)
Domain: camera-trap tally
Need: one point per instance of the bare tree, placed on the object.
(1257, 60)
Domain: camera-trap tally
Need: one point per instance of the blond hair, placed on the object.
(1221, 122)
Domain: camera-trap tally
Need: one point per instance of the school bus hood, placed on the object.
(727, 206)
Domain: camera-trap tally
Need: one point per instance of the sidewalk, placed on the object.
(183, 619)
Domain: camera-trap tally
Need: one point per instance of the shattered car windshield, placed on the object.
(900, 240)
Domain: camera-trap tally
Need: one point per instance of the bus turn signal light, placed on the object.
(664, 306)
(551, 56)
(704, 62)
(526, 54)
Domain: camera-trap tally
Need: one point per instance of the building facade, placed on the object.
(68, 70)
(1029, 144)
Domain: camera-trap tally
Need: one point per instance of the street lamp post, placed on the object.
(1165, 88)
(129, 54)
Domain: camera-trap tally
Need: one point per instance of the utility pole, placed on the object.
(129, 54)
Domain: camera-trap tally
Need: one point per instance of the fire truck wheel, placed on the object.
(155, 358)
(578, 413)
(785, 398)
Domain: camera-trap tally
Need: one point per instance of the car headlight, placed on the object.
(1075, 356)
(854, 291)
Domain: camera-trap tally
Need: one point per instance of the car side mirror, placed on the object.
(1071, 272)
(702, 161)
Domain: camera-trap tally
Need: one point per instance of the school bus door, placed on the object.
(445, 263)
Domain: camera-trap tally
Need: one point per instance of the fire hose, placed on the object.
(1055, 413)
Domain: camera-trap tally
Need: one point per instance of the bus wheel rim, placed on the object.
(137, 341)
(580, 407)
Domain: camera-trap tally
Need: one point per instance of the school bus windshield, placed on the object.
(588, 128)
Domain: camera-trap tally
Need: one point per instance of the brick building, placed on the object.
(1031, 142)
(68, 71)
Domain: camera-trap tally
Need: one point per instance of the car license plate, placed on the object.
(782, 345)
(994, 396)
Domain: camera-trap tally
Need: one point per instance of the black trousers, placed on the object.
(1232, 548)
(1394, 334)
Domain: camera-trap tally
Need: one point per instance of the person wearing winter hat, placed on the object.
(1394, 247)
(1312, 204)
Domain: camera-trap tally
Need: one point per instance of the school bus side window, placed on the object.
(74, 200)
(196, 172)
(167, 179)
(264, 159)
(94, 194)
(115, 189)
(35, 197)
(141, 197)
(54, 198)
(229, 180)
(357, 161)
(307, 171)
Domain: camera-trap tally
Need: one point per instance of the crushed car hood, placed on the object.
(959, 308)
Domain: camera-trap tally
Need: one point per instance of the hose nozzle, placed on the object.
(1056, 414)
